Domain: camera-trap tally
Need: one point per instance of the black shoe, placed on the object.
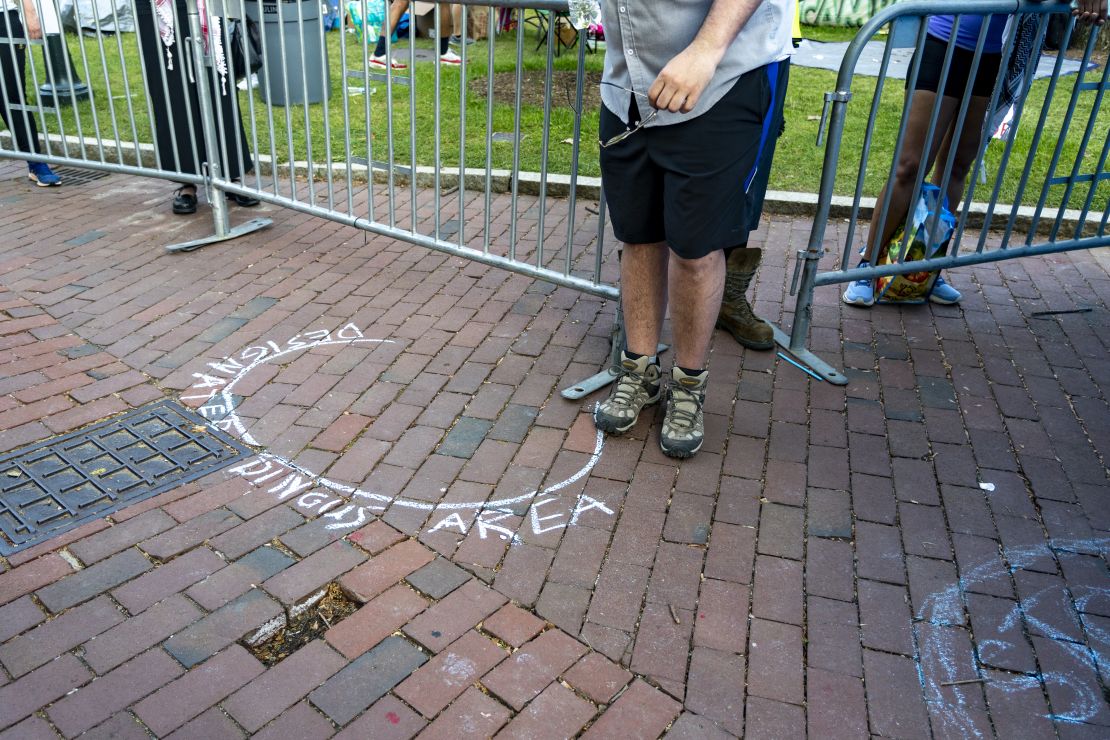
(247, 201)
(184, 203)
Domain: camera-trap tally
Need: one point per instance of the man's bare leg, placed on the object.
(644, 294)
(696, 287)
(644, 302)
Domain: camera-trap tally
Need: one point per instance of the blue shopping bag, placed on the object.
(932, 226)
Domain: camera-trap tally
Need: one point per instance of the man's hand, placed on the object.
(32, 29)
(682, 81)
(1091, 11)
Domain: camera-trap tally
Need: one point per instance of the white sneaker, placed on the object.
(450, 57)
(382, 62)
(248, 83)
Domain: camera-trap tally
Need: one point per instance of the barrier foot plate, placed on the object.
(596, 382)
(810, 362)
(255, 224)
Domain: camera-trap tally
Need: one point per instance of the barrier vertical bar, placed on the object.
(365, 56)
(436, 120)
(412, 118)
(107, 85)
(126, 91)
(572, 197)
(283, 47)
(345, 91)
(325, 107)
(545, 139)
(147, 82)
(249, 78)
(490, 34)
(391, 154)
(462, 33)
(233, 91)
(309, 163)
(516, 137)
(865, 153)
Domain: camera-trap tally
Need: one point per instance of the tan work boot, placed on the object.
(684, 423)
(736, 316)
(637, 386)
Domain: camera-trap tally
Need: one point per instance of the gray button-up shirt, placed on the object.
(641, 36)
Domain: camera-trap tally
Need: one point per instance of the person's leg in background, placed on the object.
(397, 9)
(896, 193)
(461, 33)
(967, 151)
(446, 23)
(13, 65)
(736, 315)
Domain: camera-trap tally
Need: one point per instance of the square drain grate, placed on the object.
(77, 176)
(53, 486)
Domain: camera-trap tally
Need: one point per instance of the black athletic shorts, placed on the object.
(687, 183)
(932, 64)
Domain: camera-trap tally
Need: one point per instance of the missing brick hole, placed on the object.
(306, 626)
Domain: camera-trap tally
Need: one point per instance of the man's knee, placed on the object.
(706, 264)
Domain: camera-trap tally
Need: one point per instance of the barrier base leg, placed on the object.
(255, 224)
(596, 382)
(810, 360)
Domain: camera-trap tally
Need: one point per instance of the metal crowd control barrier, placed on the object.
(1064, 172)
(414, 153)
(307, 162)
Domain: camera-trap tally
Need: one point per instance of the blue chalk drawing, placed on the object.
(939, 667)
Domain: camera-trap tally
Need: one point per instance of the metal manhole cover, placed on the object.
(53, 486)
(77, 176)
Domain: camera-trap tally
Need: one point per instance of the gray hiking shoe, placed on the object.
(683, 425)
(637, 386)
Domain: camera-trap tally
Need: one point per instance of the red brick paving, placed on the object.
(835, 563)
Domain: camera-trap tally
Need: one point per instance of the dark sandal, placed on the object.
(184, 203)
(247, 201)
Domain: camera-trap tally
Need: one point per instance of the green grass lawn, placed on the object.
(797, 166)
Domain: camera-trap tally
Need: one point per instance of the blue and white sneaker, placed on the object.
(861, 292)
(41, 174)
(943, 293)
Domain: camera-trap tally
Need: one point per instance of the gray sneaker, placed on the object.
(683, 425)
(637, 386)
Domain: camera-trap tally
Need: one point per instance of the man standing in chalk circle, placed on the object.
(687, 93)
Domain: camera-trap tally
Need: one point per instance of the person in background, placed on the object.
(741, 262)
(18, 20)
(178, 135)
(397, 9)
(926, 96)
(682, 127)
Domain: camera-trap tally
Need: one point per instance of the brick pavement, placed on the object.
(920, 554)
